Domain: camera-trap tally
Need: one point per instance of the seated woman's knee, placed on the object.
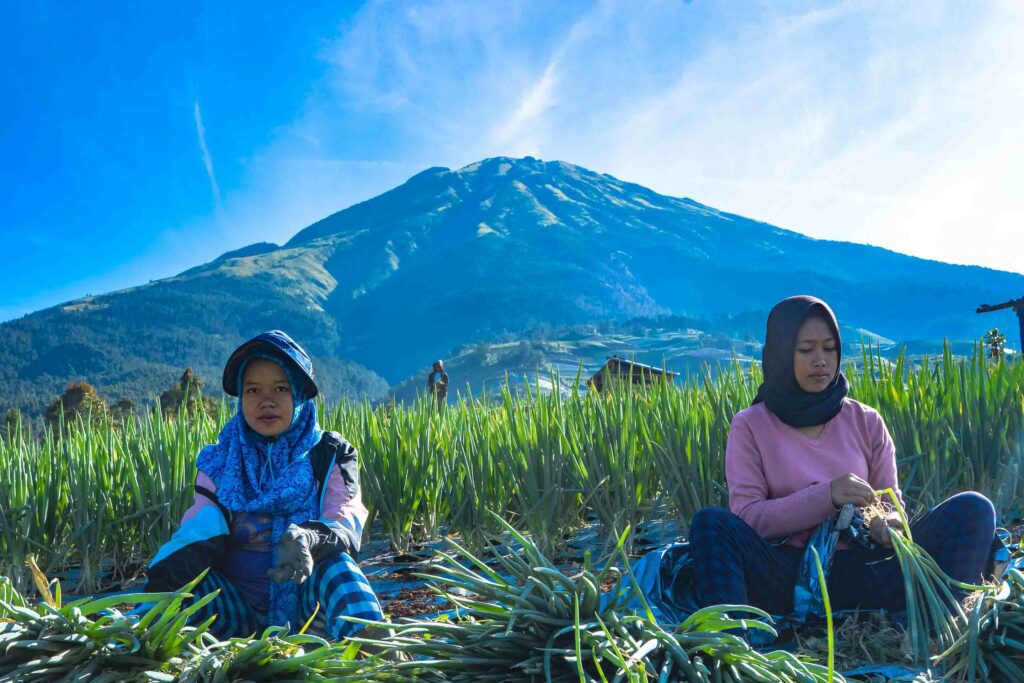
(975, 506)
(710, 521)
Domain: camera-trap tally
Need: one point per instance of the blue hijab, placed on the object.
(254, 473)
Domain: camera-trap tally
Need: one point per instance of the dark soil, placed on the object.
(411, 601)
(415, 601)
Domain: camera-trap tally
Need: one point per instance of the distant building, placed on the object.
(620, 370)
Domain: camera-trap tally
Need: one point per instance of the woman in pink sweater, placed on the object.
(794, 457)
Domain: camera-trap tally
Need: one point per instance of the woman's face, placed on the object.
(267, 403)
(816, 359)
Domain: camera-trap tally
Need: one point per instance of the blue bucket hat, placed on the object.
(275, 343)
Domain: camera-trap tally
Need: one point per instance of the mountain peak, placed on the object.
(435, 194)
(513, 166)
(417, 194)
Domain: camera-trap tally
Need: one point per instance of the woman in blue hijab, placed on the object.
(277, 517)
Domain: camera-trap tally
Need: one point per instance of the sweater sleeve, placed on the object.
(882, 462)
(771, 518)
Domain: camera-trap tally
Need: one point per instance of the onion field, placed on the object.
(103, 499)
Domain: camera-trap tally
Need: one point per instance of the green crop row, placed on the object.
(104, 498)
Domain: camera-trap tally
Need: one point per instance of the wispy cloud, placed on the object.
(207, 158)
(518, 133)
(525, 132)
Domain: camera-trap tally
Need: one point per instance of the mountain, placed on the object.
(488, 252)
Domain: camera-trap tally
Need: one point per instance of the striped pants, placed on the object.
(337, 584)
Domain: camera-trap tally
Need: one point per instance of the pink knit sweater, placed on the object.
(779, 478)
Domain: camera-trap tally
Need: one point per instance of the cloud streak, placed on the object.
(197, 115)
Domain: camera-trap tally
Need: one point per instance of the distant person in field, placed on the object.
(794, 457)
(437, 383)
(278, 515)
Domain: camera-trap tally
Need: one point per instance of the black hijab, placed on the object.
(780, 391)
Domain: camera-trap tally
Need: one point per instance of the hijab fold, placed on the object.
(780, 391)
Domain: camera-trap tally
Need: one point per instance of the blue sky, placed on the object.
(140, 139)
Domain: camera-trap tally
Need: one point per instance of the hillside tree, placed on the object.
(80, 399)
(187, 395)
(123, 410)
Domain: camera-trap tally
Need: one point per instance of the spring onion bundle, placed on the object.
(991, 648)
(933, 611)
(531, 622)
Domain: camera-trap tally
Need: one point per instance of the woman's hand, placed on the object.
(880, 528)
(294, 557)
(850, 488)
